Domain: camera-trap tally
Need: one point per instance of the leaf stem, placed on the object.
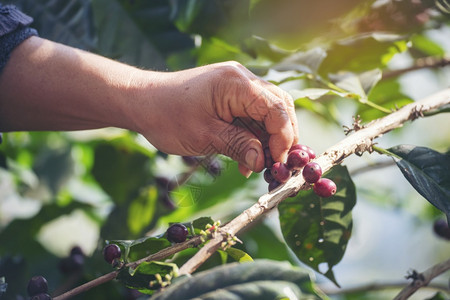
(360, 99)
(385, 152)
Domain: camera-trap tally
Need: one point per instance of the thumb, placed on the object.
(241, 144)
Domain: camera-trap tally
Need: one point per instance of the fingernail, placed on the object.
(250, 158)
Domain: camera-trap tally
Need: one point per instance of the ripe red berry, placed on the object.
(37, 285)
(111, 253)
(273, 185)
(280, 172)
(268, 176)
(177, 233)
(312, 172)
(297, 159)
(305, 148)
(324, 187)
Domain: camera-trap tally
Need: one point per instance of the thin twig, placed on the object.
(358, 142)
(421, 63)
(423, 279)
(371, 167)
(193, 242)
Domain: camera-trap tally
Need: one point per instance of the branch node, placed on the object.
(356, 125)
(417, 112)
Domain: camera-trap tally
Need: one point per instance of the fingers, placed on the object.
(243, 94)
(236, 141)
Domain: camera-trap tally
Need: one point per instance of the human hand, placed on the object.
(219, 108)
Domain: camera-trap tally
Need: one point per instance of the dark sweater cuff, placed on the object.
(11, 18)
(11, 41)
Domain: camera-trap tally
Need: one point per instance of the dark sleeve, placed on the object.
(13, 30)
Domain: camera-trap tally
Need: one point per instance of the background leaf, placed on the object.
(243, 281)
(428, 172)
(318, 229)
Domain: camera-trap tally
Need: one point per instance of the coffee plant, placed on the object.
(104, 215)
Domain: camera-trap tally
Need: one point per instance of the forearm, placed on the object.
(49, 86)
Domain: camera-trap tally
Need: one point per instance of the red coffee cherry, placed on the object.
(305, 148)
(280, 172)
(312, 172)
(324, 187)
(297, 159)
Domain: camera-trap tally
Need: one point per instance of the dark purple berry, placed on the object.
(190, 160)
(37, 285)
(280, 172)
(297, 159)
(167, 201)
(294, 194)
(111, 253)
(305, 148)
(441, 228)
(71, 264)
(268, 176)
(165, 183)
(76, 250)
(214, 168)
(324, 187)
(177, 233)
(273, 185)
(312, 172)
(41, 296)
(268, 161)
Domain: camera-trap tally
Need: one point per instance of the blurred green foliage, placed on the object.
(331, 51)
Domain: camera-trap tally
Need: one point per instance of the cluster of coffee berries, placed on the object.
(72, 263)
(38, 288)
(112, 254)
(298, 160)
(177, 233)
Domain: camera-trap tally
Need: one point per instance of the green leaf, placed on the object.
(66, 22)
(437, 296)
(314, 93)
(426, 45)
(362, 53)
(318, 229)
(120, 170)
(119, 36)
(359, 84)
(196, 195)
(269, 245)
(200, 224)
(428, 172)
(388, 94)
(306, 62)
(244, 281)
(54, 167)
(239, 255)
(148, 276)
(140, 248)
(142, 210)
